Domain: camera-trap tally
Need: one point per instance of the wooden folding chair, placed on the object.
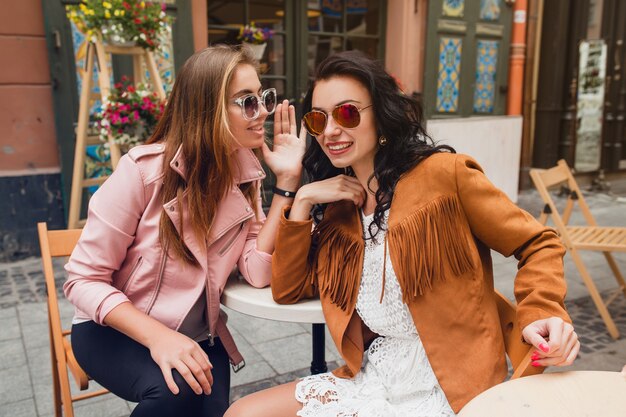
(519, 353)
(589, 237)
(60, 243)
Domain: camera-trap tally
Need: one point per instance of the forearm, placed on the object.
(540, 286)
(301, 208)
(135, 324)
(267, 235)
(291, 274)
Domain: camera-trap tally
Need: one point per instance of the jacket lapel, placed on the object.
(347, 332)
(231, 210)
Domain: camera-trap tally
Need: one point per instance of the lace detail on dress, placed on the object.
(396, 379)
(392, 316)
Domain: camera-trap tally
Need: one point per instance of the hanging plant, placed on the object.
(121, 21)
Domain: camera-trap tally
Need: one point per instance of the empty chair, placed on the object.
(587, 237)
(60, 243)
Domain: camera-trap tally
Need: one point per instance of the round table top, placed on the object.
(570, 394)
(240, 296)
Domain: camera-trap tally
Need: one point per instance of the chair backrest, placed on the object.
(56, 244)
(519, 353)
(61, 243)
(560, 175)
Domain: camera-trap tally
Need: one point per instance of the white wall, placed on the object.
(495, 142)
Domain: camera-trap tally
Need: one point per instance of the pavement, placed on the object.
(278, 352)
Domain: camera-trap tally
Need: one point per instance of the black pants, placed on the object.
(126, 368)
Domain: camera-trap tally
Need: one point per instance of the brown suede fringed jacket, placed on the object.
(444, 218)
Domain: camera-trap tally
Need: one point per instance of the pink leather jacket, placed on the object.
(119, 257)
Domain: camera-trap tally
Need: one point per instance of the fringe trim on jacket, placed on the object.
(339, 260)
(420, 245)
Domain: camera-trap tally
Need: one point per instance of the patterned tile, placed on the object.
(449, 74)
(453, 8)
(490, 9)
(80, 54)
(486, 64)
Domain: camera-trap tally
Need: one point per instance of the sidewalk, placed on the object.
(275, 352)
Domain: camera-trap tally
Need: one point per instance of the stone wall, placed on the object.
(29, 162)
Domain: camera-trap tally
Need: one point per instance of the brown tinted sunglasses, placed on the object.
(346, 115)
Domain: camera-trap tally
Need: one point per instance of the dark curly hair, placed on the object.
(398, 118)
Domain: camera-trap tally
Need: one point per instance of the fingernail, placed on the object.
(535, 363)
(544, 347)
(535, 356)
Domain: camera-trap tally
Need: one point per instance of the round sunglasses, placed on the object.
(250, 104)
(345, 115)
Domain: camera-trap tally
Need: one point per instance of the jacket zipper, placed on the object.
(231, 241)
(211, 333)
(132, 273)
(159, 279)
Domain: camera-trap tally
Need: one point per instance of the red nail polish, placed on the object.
(535, 363)
(544, 347)
(535, 356)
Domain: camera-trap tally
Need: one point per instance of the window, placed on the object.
(305, 32)
(467, 55)
(226, 19)
(339, 25)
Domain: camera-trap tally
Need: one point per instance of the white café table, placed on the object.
(562, 394)
(240, 296)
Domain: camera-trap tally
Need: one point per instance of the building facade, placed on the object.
(453, 55)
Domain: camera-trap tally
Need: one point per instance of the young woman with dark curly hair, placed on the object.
(400, 258)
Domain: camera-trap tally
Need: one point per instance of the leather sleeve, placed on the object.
(255, 265)
(114, 213)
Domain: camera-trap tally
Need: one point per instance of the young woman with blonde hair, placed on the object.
(167, 228)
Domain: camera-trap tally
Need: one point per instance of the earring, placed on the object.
(382, 141)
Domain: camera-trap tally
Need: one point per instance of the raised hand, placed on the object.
(285, 157)
(555, 340)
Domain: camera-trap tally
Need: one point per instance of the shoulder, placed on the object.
(148, 160)
(441, 167)
(146, 151)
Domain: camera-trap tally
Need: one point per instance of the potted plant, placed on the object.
(129, 115)
(255, 38)
(121, 22)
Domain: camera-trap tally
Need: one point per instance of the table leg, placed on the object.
(318, 365)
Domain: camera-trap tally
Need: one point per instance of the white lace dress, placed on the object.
(396, 379)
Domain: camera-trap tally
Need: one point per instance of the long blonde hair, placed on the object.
(196, 117)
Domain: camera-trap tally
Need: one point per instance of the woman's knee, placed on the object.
(278, 401)
(241, 408)
(160, 396)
